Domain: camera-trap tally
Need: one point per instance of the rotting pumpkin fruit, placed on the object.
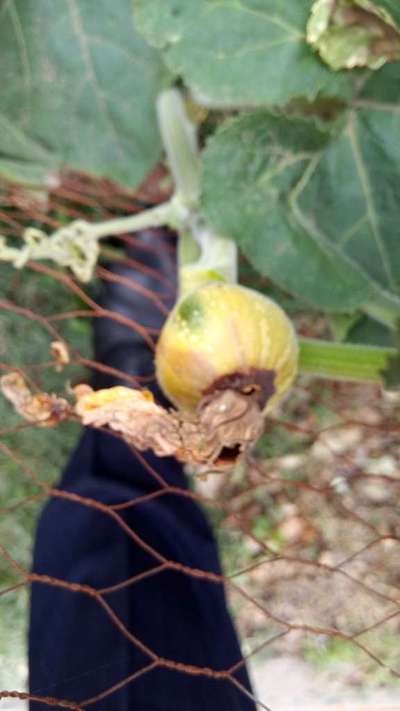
(226, 337)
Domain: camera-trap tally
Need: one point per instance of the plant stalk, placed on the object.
(180, 142)
(203, 256)
(339, 361)
(171, 213)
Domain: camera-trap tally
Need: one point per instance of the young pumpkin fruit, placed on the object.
(226, 336)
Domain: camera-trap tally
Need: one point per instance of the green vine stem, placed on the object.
(171, 213)
(339, 361)
(179, 137)
(76, 246)
(203, 255)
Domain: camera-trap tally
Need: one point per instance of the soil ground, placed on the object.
(287, 683)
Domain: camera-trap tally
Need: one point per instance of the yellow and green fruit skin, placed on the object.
(222, 329)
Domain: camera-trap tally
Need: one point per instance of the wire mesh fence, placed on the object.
(308, 525)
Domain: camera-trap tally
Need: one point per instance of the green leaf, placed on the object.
(366, 330)
(383, 88)
(316, 211)
(239, 52)
(353, 33)
(390, 6)
(342, 324)
(79, 83)
(22, 159)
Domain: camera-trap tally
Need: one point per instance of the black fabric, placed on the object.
(75, 649)
(117, 344)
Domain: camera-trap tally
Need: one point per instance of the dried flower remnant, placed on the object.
(221, 429)
(40, 408)
(224, 426)
(229, 423)
(353, 33)
(132, 413)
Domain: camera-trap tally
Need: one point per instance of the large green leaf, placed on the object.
(239, 52)
(315, 211)
(80, 83)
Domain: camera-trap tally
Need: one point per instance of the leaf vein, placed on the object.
(22, 48)
(352, 231)
(269, 18)
(97, 39)
(239, 7)
(376, 106)
(251, 49)
(91, 74)
(368, 194)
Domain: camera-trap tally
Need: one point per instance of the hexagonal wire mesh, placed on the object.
(307, 525)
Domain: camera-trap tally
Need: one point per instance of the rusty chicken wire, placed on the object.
(308, 525)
